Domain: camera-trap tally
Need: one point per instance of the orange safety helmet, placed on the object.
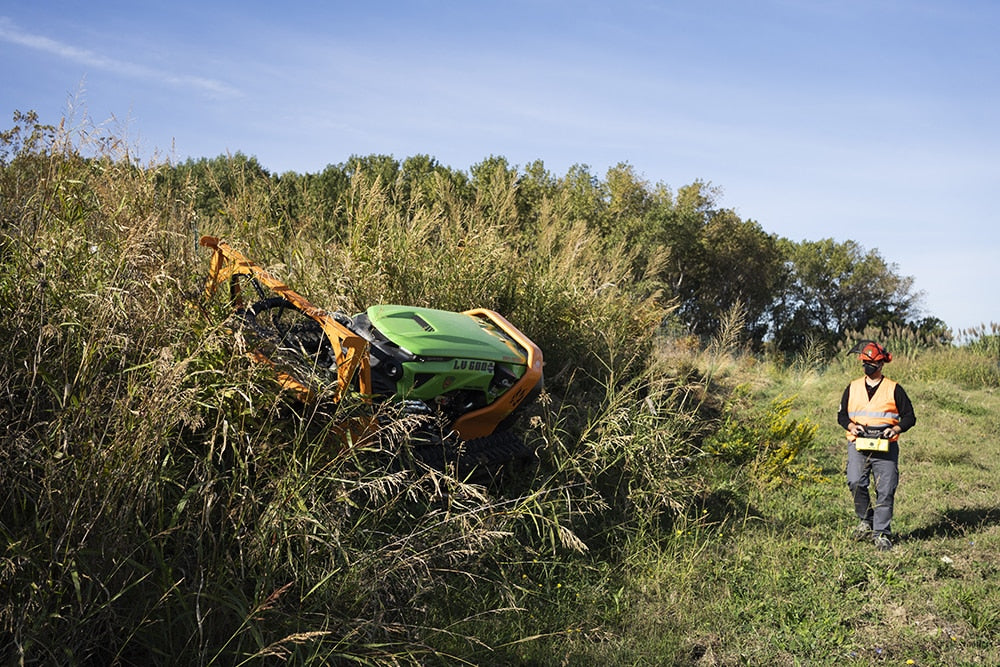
(873, 353)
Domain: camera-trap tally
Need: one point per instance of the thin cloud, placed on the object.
(10, 33)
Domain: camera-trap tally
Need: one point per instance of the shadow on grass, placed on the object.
(721, 505)
(958, 522)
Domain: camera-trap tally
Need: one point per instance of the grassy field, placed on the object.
(766, 573)
(784, 585)
(162, 502)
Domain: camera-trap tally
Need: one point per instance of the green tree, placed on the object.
(745, 270)
(494, 182)
(324, 195)
(717, 261)
(209, 183)
(585, 195)
(834, 288)
(538, 194)
(384, 168)
(629, 200)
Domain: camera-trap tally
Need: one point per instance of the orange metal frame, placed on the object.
(350, 349)
(483, 421)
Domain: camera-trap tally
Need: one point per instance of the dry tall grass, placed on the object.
(162, 502)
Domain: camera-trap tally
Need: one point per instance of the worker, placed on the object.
(874, 410)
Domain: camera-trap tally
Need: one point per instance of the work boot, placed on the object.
(862, 532)
(882, 542)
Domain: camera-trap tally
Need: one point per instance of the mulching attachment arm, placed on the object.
(351, 350)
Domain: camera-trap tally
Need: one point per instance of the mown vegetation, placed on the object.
(162, 502)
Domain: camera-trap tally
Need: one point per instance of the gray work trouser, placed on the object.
(883, 469)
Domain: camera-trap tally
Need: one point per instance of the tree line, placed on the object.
(682, 245)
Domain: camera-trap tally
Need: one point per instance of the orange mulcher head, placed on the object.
(870, 351)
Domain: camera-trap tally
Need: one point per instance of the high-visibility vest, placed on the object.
(880, 410)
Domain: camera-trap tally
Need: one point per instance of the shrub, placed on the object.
(763, 439)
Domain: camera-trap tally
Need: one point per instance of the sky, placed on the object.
(876, 121)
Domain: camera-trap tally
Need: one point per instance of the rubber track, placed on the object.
(484, 454)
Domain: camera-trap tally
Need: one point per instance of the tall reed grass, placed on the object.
(164, 503)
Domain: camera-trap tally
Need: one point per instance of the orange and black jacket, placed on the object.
(903, 406)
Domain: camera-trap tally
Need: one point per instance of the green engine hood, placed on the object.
(439, 333)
